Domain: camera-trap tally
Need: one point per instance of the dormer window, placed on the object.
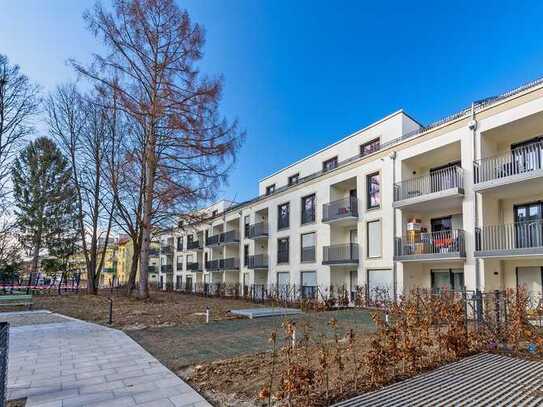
(270, 189)
(329, 164)
(293, 179)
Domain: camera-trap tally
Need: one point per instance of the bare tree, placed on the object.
(188, 147)
(81, 127)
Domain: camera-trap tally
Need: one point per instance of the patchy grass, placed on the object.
(161, 309)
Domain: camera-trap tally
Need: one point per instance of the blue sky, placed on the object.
(300, 74)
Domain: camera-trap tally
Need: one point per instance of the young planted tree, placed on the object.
(43, 194)
(81, 127)
(150, 66)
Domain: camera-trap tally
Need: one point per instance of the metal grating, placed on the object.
(481, 380)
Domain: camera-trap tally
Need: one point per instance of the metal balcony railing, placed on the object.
(194, 266)
(510, 237)
(340, 254)
(436, 244)
(231, 263)
(436, 181)
(521, 160)
(342, 208)
(258, 230)
(258, 261)
(232, 236)
(213, 240)
(151, 269)
(166, 249)
(194, 245)
(166, 268)
(307, 254)
(213, 265)
(282, 256)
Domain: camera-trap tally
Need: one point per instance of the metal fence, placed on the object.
(4, 353)
(342, 208)
(436, 181)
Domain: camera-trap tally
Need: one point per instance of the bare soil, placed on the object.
(161, 309)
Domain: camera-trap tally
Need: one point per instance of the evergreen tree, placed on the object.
(44, 197)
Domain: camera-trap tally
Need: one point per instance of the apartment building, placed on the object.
(396, 205)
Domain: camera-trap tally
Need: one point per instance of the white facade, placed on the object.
(472, 184)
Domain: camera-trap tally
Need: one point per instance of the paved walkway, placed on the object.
(56, 361)
(480, 380)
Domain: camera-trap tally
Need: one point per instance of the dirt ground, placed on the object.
(161, 309)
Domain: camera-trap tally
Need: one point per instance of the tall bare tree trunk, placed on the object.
(147, 216)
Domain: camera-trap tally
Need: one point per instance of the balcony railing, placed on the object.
(521, 160)
(258, 261)
(231, 263)
(436, 181)
(340, 254)
(166, 268)
(231, 236)
(166, 249)
(513, 238)
(343, 208)
(448, 243)
(258, 230)
(308, 254)
(151, 269)
(213, 265)
(194, 245)
(213, 240)
(154, 252)
(194, 266)
(282, 256)
(179, 266)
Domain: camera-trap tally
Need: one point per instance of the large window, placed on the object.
(282, 250)
(180, 243)
(370, 147)
(308, 241)
(293, 179)
(270, 189)
(374, 238)
(246, 255)
(283, 212)
(329, 164)
(246, 225)
(373, 187)
(308, 209)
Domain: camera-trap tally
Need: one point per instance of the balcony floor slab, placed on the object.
(447, 199)
(430, 257)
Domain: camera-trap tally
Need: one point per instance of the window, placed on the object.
(270, 189)
(282, 250)
(293, 179)
(179, 263)
(370, 147)
(215, 213)
(329, 164)
(308, 209)
(246, 224)
(447, 279)
(189, 258)
(308, 247)
(283, 218)
(373, 190)
(441, 224)
(180, 243)
(380, 284)
(309, 284)
(178, 282)
(246, 255)
(374, 238)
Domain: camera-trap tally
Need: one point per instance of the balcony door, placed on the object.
(444, 177)
(528, 155)
(529, 225)
(531, 278)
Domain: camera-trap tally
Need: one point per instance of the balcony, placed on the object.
(212, 265)
(229, 238)
(154, 252)
(213, 241)
(507, 240)
(518, 165)
(447, 244)
(166, 249)
(341, 211)
(258, 231)
(151, 269)
(194, 266)
(166, 268)
(229, 264)
(258, 261)
(194, 245)
(438, 189)
(340, 254)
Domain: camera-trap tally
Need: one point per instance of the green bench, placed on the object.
(16, 300)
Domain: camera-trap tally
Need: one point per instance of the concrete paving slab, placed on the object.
(60, 361)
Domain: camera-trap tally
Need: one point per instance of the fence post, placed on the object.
(110, 320)
(479, 306)
(4, 348)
